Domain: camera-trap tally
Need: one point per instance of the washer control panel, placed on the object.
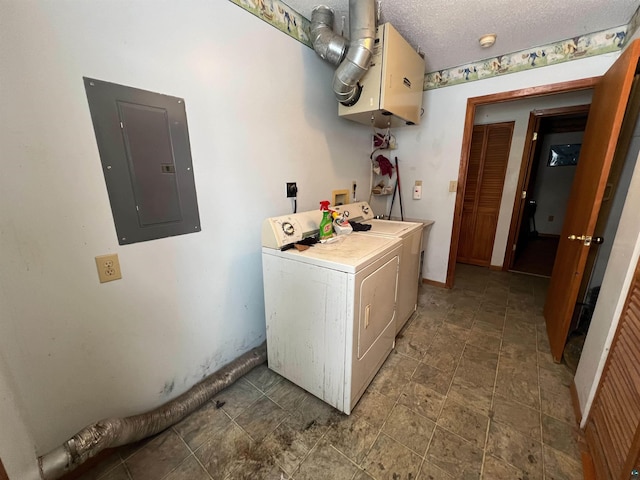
(359, 211)
(280, 231)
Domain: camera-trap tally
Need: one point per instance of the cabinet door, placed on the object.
(488, 158)
(613, 427)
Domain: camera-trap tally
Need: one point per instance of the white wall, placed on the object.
(431, 151)
(260, 112)
(16, 443)
(518, 111)
(553, 184)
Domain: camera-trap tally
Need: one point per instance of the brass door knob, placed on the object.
(587, 240)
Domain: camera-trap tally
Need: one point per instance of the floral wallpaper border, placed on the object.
(588, 45)
(634, 23)
(287, 20)
(281, 16)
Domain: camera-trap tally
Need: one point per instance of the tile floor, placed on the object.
(470, 392)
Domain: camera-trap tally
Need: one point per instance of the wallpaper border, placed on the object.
(286, 19)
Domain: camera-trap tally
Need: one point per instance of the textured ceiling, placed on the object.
(447, 31)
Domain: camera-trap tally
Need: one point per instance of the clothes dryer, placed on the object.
(331, 309)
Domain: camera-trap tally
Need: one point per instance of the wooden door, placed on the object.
(613, 426)
(600, 139)
(3, 473)
(490, 146)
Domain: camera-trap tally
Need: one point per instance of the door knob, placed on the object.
(587, 239)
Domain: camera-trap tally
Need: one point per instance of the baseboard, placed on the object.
(588, 467)
(433, 283)
(495, 267)
(575, 402)
(3, 473)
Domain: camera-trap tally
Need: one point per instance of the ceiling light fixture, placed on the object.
(488, 40)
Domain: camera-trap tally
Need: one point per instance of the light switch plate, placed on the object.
(453, 186)
(108, 267)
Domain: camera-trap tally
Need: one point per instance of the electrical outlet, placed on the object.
(108, 267)
(292, 189)
(417, 190)
(550, 218)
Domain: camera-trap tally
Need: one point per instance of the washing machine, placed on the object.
(412, 235)
(330, 309)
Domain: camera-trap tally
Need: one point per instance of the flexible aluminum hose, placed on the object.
(332, 47)
(362, 29)
(114, 432)
(328, 44)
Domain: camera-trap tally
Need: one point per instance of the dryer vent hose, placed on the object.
(114, 432)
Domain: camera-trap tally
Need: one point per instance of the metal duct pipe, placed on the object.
(114, 432)
(362, 29)
(331, 47)
(328, 44)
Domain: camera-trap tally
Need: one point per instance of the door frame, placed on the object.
(528, 160)
(472, 104)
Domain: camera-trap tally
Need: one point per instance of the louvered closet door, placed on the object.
(487, 166)
(613, 427)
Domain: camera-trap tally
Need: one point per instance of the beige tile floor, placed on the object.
(469, 392)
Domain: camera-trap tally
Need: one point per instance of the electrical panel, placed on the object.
(143, 141)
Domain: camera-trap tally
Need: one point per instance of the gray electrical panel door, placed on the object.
(143, 142)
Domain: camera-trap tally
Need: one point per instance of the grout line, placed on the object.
(308, 454)
(384, 422)
(109, 470)
(191, 453)
(493, 394)
(126, 469)
(544, 473)
(446, 396)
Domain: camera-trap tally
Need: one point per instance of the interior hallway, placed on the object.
(537, 256)
(470, 392)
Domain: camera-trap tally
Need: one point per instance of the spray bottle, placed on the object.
(326, 227)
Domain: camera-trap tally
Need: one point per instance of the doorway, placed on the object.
(613, 82)
(548, 167)
(472, 105)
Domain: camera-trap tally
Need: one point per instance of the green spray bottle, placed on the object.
(326, 224)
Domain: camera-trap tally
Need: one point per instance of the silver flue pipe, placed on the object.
(332, 47)
(328, 45)
(362, 29)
